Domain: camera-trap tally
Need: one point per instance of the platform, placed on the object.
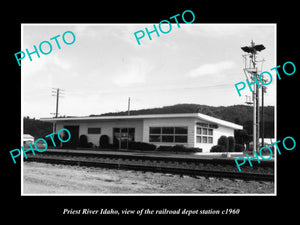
(179, 155)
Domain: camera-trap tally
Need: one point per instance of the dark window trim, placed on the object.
(94, 130)
(164, 135)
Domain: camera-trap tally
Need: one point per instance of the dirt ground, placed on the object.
(41, 178)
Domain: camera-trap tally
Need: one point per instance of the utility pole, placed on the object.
(58, 93)
(264, 90)
(128, 106)
(252, 74)
(57, 98)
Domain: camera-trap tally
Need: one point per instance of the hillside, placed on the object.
(36, 128)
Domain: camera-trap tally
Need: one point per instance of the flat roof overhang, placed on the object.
(149, 116)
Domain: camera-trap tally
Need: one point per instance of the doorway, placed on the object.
(123, 136)
(73, 142)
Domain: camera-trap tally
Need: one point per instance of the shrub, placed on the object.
(217, 148)
(83, 141)
(231, 144)
(178, 148)
(182, 148)
(223, 141)
(162, 148)
(104, 141)
(195, 149)
(239, 148)
(90, 145)
(113, 146)
(141, 146)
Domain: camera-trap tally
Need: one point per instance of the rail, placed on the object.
(210, 167)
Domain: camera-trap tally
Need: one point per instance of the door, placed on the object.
(123, 136)
(74, 141)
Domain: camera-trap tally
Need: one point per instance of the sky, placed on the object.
(196, 63)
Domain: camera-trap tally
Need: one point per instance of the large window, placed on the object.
(168, 134)
(204, 134)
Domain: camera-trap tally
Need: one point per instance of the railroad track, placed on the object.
(178, 165)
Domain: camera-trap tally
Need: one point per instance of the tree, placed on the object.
(36, 128)
(241, 136)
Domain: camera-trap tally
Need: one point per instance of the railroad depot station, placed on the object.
(188, 129)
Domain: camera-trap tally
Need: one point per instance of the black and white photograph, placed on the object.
(159, 116)
(145, 111)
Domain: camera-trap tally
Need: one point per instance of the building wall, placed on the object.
(142, 127)
(222, 130)
(217, 133)
(106, 128)
(170, 122)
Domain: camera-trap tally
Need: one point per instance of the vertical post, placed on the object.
(128, 107)
(57, 97)
(255, 103)
(257, 118)
(254, 99)
(54, 127)
(120, 138)
(127, 144)
(262, 116)
(254, 118)
(252, 51)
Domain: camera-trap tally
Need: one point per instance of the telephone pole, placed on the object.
(58, 93)
(57, 98)
(128, 111)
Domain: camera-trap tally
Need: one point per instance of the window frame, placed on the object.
(94, 128)
(204, 133)
(168, 132)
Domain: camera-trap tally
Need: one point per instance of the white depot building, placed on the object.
(188, 129)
